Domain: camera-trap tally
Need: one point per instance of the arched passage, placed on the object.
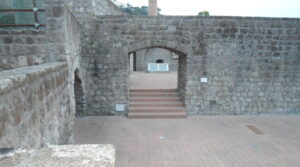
(157, 90)
(175, 59)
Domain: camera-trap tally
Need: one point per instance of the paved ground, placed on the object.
(198, 141)
(162, 80)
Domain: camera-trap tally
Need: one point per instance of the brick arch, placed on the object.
(180, 53)
(176, 47)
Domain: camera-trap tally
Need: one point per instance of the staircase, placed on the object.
(156, 103)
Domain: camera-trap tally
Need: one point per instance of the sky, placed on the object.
(260, 8)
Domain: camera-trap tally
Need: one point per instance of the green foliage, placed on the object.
(135, 10)
(203, 13)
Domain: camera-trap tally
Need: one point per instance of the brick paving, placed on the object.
(198, 141)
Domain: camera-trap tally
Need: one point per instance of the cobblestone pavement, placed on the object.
(198, 141)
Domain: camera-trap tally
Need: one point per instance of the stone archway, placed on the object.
(159, 98)
(182, 61)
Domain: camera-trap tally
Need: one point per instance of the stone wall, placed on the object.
(145, 56)
(35, 106)
(19, 48)
(59, 42)
(26, 47)
(252, 64)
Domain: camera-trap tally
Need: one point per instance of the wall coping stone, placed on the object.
(202, 17)
(10, 79)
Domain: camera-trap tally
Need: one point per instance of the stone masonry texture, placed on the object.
(252, 64)
(38, 71)
(85, 155)
(35, 107)
(39, 106)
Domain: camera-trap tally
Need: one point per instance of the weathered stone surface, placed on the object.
(61, 156)
(251, 66)
(35, 106)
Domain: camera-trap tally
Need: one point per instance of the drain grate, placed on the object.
(255, 130)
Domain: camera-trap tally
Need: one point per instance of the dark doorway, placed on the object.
(79, 94)
(159, 61)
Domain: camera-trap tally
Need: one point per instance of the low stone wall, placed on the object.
(35, 106)
(64, 155)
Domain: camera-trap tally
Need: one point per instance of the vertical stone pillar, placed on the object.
(131, 57)
(152, 11)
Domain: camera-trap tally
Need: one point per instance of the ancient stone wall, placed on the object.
(60, 41)
(252, 64)
(48, 106)
(25, 47)
(35, 106)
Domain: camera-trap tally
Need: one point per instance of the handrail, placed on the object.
(21, 10)
(35, 11)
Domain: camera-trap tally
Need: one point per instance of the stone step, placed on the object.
(156, 109)
(157, 115)
(154, 99)
(157, 104)
(154, 94)
(153, 90)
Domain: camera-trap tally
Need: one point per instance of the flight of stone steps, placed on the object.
(156, 103)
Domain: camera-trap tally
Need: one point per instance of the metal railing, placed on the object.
(37, 23)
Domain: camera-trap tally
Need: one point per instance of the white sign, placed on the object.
(158, 67)
(204, 80)
(120, 107)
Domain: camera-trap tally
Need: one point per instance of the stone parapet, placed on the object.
(35, 107)
(60, 156)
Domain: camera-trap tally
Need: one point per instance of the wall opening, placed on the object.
(159, 61)
(79, 94)
(157, 68)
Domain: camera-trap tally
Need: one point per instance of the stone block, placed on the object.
(64, 155)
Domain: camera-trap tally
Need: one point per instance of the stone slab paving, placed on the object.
(198, 141)
(154, 80)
